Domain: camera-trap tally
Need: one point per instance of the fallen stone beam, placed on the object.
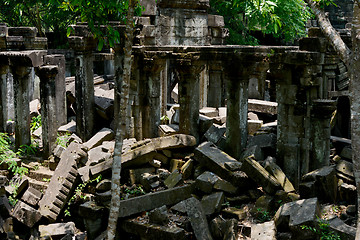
(152, 231)
(257, 173)
(133, 157)
(154, 200)
(255, 105)
(217, 161)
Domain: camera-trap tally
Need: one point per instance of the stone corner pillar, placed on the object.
(47, 75)
(4, 69)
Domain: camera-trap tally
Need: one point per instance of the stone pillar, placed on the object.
(152, 114)
(84, 83)
(60, 87)
(189, 71)
(22, 78)
(215, 84)
(237, 81)
(3, 97)
(49, 114)
(321, 113)
(297, 86)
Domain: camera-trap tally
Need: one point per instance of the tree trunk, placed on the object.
(122, 88)
(331, 34)
(355, 106)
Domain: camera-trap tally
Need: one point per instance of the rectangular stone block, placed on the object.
(263, 231)
(26, 214)
(154, 200)
(262, 177)
(215, 21)
(215, 160)
(255, 105)
(105, 134)
(57, 230)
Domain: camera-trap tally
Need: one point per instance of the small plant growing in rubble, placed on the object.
(79, 194)
(322, 230)
(62, 140)
(263, 215)
(35, 123)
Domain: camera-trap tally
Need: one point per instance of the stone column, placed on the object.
(60, 87)
(297, 86)
(152, 114)
(49, 114)
(22, 77)
(189, 94)
(321, 113)
(237, 81)
(84, 85)
(3, 97)
(215, 84)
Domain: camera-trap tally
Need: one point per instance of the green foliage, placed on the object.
(322, 230)
(263, 215)
(281, 18)
(7, 155)
(35, 123)
(58, 15)
(63, 140)
(79, 194)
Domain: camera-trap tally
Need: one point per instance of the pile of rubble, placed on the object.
(173, 188)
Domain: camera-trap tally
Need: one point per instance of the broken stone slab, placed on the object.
(279, 175)
(152, 231)
(132, 157)
(206, 181)
(255, 105)
(295, 214)
(345, 231)
(61, 184)
(176, 164)
(236, 213)
(159, 216)
(104, 134)
(187, 169)
(254, 150)
(214, 159)
(212, 203)
(154, 200)
(209, 112)
(68, 128)
(26, 214)
(135, 174)
(262, 177)
(347, 192)
(215, 133)
(345, 171)
(97, 155)
(346, 152)
(263, 231)
(167, 130)
(104, 102)
(174, 179)
(93, 217)
(263, 141)
(31, 196)
(253, 126)
(226, 229)
(225, 186)
(325, 183)
(149, 181)
(57, 230)
(18, 185)
(197, 218)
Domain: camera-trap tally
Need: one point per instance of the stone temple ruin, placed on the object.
(190, 95)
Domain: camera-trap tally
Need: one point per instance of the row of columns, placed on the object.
(21, 64)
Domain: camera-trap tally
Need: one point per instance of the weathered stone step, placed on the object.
(38, 185)
(41, 174)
